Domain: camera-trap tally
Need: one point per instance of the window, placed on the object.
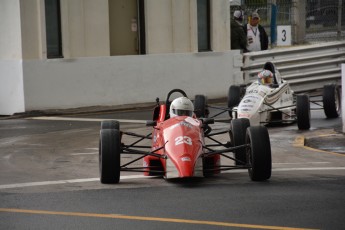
(53, 29)
(203, 7)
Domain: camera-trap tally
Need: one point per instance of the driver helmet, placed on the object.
(181, 106)
(265, 77)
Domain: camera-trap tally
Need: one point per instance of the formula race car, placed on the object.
(184, 146)
(270, 100)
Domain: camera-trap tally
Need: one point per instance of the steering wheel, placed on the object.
(167, 102)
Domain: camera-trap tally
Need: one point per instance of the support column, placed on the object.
(343, 93)
(298, 21)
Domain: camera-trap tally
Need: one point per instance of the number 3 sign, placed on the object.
(283, 35)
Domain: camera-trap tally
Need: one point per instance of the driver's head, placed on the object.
(181, 106)
(265, 77)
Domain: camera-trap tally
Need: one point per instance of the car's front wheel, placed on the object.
(109, 156)
(238, 129)
(259, 153)
(110, 124)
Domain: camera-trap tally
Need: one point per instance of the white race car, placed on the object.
(277, 102)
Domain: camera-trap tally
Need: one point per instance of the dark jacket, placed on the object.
(238, 37)
(263, 38)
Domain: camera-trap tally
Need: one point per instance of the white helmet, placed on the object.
(265, 77)
(181, 106)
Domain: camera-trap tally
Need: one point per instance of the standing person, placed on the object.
(257, 38)
(238, 36)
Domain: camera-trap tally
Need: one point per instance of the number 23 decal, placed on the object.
(183, 140)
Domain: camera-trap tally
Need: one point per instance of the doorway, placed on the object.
(126, 27)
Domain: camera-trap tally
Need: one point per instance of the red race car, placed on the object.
(184, 145)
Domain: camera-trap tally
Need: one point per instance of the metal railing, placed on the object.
(305, 68)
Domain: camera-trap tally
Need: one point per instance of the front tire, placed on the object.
(109, 156)
(238, 129)
(331, 101)
(259, 153)
(112, 124)
(303, 112)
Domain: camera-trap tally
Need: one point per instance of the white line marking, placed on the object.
(301, 163)
(307, 169)
(84, 119)
(31, 184)
(79, 154)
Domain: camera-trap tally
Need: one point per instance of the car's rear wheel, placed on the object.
(331, 101)
(303, 111)
(112, 124)
(200, 106)
(109, 156)
(238, 129)
(234, 97)
(258, 153)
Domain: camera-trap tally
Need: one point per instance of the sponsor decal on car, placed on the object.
(192, 121)
(187, 123)
(145, 164)
(244, 115)
(185, 159)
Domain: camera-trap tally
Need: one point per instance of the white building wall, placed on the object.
(158, 16)
(85, 28)
(11, 74)
(220, 25)
(88, 76)
(31, 29)
(172, 26)
(118, 80)
(10, 39)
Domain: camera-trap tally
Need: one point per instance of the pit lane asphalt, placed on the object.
(324, 184)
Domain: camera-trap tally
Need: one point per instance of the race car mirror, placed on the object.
(208, 121)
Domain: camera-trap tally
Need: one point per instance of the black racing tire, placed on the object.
(331, 101)
(112, 124)
(109, 156)
(200, 106)
(238, 129)
(259, 153)
(303, 111)
(234, 97)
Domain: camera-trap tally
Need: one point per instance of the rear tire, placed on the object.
(113, 124)
(109, 156)
(331, 101)
(303, 112)
(200, 106)
(234, 97)
(259, 153)
(238, 129)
